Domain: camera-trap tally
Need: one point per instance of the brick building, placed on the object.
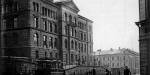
(144, 33)
(46, 29)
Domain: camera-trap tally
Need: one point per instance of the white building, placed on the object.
(118, 58)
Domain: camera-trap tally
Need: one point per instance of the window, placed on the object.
(45, 54)
(35, 38)
(37, 54)
(66, 30)
(75, 20)
(76, 45)
(44, 41)
(16, 6)
(72, 58)
(51, 13)
(72, 44)
(112, 58)
(4, 22)
(51, 42)
(65, 17)
(56, 55)
(81, 36)
(35, 6)
(66, 43)
(51, 26)
(85, 48)
(85, 37)
(43, 10)
(72, 32)
(5, 8)
(36, 21)
(75, 33)
(51, 55)
(45, 24)
(55, 43)
(70, 18)
(15, 22)
(81, 47)
(55, 28)
(48, 13)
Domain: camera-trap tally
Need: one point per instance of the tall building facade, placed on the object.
(144, 39)
(119, 58)
(40, 29)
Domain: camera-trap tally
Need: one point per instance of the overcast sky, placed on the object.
(113, 25)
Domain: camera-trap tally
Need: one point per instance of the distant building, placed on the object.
(44, 29)
(118, 58)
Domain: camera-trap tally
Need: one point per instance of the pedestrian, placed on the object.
(127, 71)
(94, 72)
(108, 72)
(118, 72)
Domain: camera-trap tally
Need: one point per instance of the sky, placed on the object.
(113, 22)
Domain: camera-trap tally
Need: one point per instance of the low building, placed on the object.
(118, 58)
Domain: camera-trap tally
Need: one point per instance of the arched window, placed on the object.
(81, 47)
(75, 33)
(51, 42)
(75, 20)
(65, 16)
(44, 41)
(51, 26)
(70, 18)
(76, 45)
(72, 44)
(45, 24)
(55, 28)
(55, 43)
(66, 43)
(35, 38)
(85, 48)
(85, 37)
(72, 31)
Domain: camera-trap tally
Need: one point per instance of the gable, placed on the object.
(68, 3)
(72, 5)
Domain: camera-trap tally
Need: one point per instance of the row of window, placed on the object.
(77, 58)
(112, 58)
(46, 55)
(82, 26)
(11, 6)
(45, 11)
(73, 32)
(10, 23)
(75, 45)
(47, 25)
(50, 42)
(70, 19)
